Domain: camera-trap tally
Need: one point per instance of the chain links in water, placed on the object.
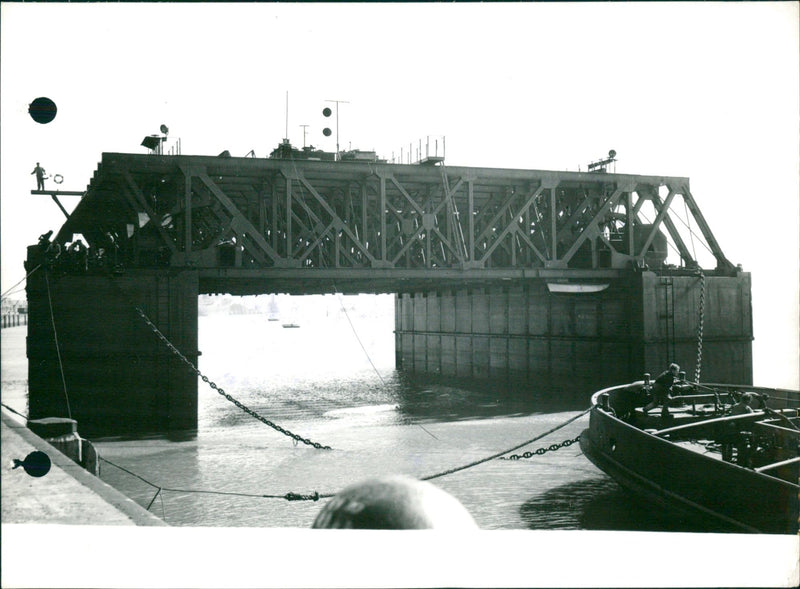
(499, 454)
(542, 450)
(221, 391)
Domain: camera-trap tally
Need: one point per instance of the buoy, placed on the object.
(394, 503)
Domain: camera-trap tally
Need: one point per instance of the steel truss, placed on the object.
(243, 213)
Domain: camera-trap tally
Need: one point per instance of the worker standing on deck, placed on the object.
(745, 405)
(662, 387)
(39, 171)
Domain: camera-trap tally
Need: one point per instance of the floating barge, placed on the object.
(740, 470)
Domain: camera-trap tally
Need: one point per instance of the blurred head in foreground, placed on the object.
(394, 503)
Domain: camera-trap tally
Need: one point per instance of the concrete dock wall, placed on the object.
(524, 332)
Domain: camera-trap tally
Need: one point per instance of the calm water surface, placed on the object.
(333, 381)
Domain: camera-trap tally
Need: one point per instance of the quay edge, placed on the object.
(67, 494)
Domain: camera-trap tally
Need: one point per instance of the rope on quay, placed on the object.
(499, 454)
(291, 496)
(25, 417)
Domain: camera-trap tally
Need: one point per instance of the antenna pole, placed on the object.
(304, 134)
(337, 123)
(287, 115)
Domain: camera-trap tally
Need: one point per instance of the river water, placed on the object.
(333, 380)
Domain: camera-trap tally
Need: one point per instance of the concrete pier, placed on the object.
(109, 356)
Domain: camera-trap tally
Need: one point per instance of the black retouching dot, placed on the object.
(42, 110)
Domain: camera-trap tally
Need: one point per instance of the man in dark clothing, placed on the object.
(39, 171)
(662, 388)
(745, 405)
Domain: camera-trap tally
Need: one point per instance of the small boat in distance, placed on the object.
(273, 309)
(708, 457)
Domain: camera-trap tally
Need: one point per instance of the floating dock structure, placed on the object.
(528, 334)
(539, 276)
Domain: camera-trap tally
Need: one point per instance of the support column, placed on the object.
(119, 376)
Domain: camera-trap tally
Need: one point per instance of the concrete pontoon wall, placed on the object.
(518, 332)
(526, 333)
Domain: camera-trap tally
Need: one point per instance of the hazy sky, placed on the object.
(708, 91)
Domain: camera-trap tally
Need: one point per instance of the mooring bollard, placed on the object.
(60, 432)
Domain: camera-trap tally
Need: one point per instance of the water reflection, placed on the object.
(437, 398)
(601, 504)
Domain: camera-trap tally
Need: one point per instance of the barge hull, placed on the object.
(689, 482)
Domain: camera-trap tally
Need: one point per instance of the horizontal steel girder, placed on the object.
(244, 281)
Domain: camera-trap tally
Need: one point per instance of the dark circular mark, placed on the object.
(326, 132)
(42, 110)
(326, 112)
(36, 464)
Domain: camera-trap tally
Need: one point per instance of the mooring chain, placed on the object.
(506, 451)
(701, 318)
(221, 391)
(542, 450)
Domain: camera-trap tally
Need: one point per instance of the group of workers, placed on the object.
(75, 257)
